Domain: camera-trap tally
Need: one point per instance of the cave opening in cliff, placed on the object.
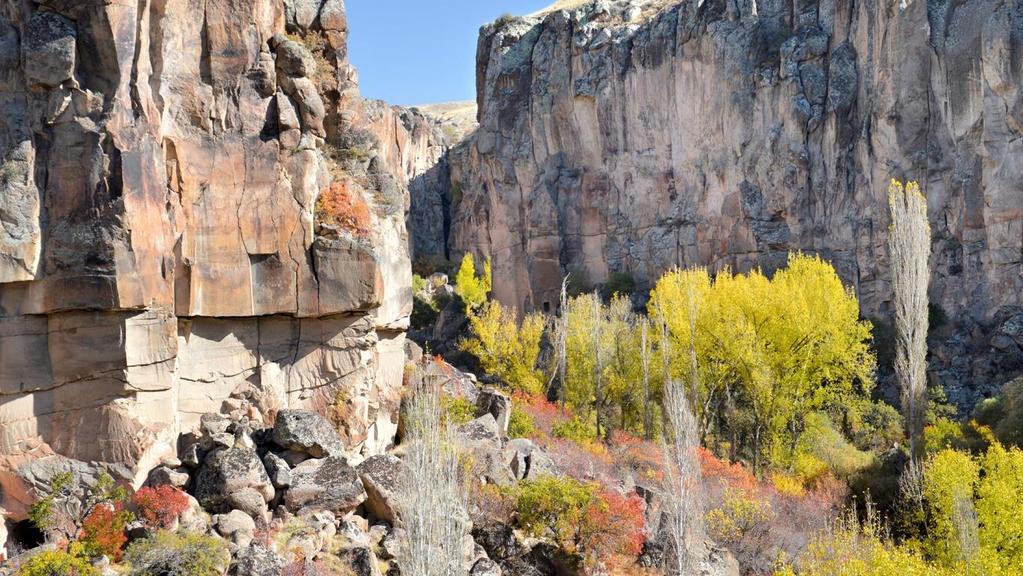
(23, 535)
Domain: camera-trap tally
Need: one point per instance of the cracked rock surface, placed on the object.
(162, 254)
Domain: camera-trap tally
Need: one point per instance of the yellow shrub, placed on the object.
(738, 514)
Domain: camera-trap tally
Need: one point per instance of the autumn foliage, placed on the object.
(341, 205)
(597, 523)
(161, 506)
(103, 531)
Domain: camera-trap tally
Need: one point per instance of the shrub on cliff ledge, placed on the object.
(103, 531)
(471, 288)
(342, 206)
(64, 509)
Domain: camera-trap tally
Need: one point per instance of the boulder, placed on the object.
(227, 471)
(251, 502)
(194, 518)
(308, 432)
(235, 526)
(362, 560)
(333, 17)
(278, 470)
(301, 14)
(527, 460)
(167, 476)
(498, 540)
(311, 534)
(212, 424)
(486, 567)
(496, 404)
(311, 109)
(380, 476)
(328, 484)
(482, 429)
(257, 560)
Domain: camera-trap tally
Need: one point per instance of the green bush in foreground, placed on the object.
(174, 554)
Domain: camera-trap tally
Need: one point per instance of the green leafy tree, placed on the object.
(471, 288)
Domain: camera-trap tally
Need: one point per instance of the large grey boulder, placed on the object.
(229, 471)
(257, 560)
(527, 460)
(380, 476)
(482, 429)
(308, 432)
(328, 484)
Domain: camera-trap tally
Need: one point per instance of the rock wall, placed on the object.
(635, 136)
(162, 250)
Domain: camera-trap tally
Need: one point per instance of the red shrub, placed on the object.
(160, 507)
(342, 205)
(613, 526)
(544, 414)
(717, 472)
(103, 531)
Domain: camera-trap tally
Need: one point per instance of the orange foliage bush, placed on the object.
(545, 414)
(613, 526)
(103, 531)
(343, 206)
(161, 506)
(717, 472)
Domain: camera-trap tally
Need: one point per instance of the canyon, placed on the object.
(171, 262)
(631, 137)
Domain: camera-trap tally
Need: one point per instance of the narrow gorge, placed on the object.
(229, 280)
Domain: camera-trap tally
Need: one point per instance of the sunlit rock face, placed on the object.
(637, 136)
(161, 254)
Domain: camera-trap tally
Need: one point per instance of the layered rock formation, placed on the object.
(162, 250)
(633, 136)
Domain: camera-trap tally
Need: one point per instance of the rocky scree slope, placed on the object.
(161, 250)
(634, 136)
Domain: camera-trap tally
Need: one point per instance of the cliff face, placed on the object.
(636, 136)
(162, 252)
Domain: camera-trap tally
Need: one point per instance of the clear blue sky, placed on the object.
(422, 51)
